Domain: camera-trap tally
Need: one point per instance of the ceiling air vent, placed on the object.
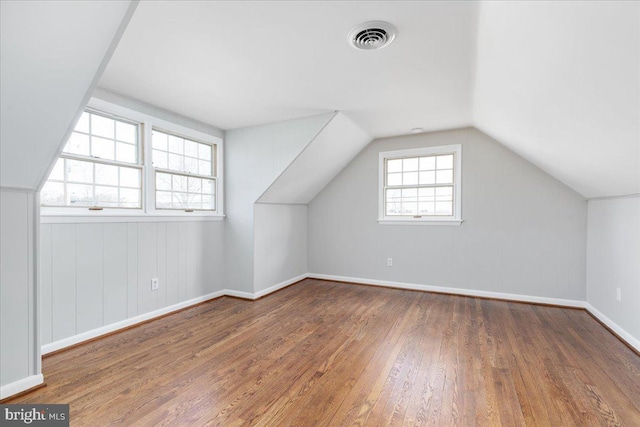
(372, 35)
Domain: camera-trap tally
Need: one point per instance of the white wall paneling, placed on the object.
(98, 274)
(19, 331)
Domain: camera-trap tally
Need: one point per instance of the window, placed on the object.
(184, 172)
(98, 167)
(421, 185)
(128, 163)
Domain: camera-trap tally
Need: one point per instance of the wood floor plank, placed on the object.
(324, 353)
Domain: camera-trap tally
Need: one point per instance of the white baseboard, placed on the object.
(279, 286)
(94, 333)
(630, 339)
(20, 385)
(66, 342)
(455, 291)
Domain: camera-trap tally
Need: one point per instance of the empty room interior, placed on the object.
(316, 213)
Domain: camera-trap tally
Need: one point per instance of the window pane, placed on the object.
(160, 159)
(195, 201)
(180, 200)
(204, 152)
(207, 186)
(163, 199)
(78, 171)
(427, 163)
(52, 194)
(130, 198)
(106, 196)
(445, 162)
(83, 123)
(102, 126)
(426, 208)
(179, 183)
(195, 185)
(444, 208)
(190, 165)
(77, 144)
(190, 148)
(106, 174)
(175, 163)
(410, 178)
(130, 177)
(394, 195)
(394, 165)
(409, 194)
(426, 194)
(205, 168)
(126, 153)
(444, 194)
(80, 195)
(409, 208)
(57, 173)
(444, 177)
(427, 177)
(410, 165)
(163, 181)
(159, 140)
(102, 148)
(394, 179)
(207, 202)
(126, 132)
(176, 145)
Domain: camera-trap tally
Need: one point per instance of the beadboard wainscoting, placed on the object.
(99, 274)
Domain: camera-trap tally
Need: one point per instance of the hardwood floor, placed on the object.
(329, 354)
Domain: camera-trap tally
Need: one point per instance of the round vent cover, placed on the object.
(372, 35)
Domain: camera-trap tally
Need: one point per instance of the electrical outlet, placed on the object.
(155, 284)
(389, 262)
(618, 294)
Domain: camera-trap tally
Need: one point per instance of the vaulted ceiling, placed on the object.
(557, 82)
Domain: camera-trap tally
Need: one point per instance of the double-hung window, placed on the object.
(99, 167)
(184, 172)
(122, 162)
(421, 185)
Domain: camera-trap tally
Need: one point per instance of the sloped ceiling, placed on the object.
(559, 83)
(339, 141)
(52, 54)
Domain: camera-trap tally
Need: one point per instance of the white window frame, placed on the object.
(148, 212)
(455, 219)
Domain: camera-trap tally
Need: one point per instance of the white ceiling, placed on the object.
(559, 83)
(237, 64)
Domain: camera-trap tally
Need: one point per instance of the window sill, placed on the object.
(420, 221)
(75, 218)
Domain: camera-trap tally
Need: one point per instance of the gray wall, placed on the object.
(280, 244)
(613, 260)
(523, 233)
(19, 349)
(96, 274)
(254, 157)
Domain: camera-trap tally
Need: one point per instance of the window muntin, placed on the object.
(421, 184)
(75, 182)
(98, 166)
(184, 172)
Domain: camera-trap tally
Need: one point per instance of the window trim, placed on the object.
(456, 219)
(147, 212)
